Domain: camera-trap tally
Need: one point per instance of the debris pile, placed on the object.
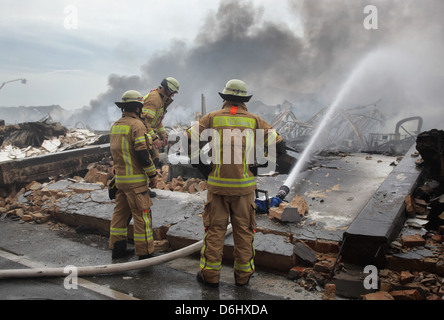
(36, 201)
(416, 257)
(31, 203)
(314, 263)
(38, 138)
(415, 268)
(178, 184)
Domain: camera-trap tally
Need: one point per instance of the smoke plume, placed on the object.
(279, 63)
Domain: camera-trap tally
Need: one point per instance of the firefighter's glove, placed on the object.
(154, 180)
(158, 143)
(112, 189)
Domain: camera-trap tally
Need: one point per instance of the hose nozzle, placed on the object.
(283, 192)
(276, 201)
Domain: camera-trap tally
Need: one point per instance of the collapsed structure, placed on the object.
(312, 261)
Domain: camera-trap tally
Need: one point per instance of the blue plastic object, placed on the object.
(262, 206)
(275, 202)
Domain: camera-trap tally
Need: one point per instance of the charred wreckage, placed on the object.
(45, 150)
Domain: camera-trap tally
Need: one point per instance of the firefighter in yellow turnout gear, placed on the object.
(231, 183)
(155, 105)
(134, 169)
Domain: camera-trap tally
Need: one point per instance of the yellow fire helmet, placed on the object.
(170, 84)
(130, 98)
(235, 90)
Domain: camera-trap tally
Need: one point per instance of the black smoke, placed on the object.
(279, 63)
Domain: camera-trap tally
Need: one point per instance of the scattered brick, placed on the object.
(406, 277)
(412, 240)
(329, 292)
(440, 268)
(441, 292)
(410, 206)
(412, 294)
(296, 272)
(378, 295)
(385, 286)
(325, 266)
(434, 297)
(304, 254)
(438, 238)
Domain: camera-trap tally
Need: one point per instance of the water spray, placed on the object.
(263, 205)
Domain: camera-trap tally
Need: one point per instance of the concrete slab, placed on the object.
(37, 168)
(335, 187)
(382, 218)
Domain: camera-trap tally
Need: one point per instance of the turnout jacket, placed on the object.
(232, 155)
(130, 147)
(154, 109)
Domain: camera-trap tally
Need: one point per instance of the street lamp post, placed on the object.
(3, 84)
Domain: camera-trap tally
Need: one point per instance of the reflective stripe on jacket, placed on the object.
(233, 154)
(126, 137)
(153, 112)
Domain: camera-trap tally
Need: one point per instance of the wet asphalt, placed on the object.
(173, 282)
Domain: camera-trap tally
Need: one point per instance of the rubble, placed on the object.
(36, 201)
(290, 212)
(39, 138)
(415, 266)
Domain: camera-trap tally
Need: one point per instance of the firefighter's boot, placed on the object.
(120, 250)
(200, 279)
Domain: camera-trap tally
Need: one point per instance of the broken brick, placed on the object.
(40, 218)
(406, 277)
(296, 272)
(301, 204)
(304, 254)
(412, 240)
(410, 206)
(27, 218)
(290, 212)
(411, 294)
(385, 286)
(438, 238)
(441, 292)
(434, 297)
(378, 295)
(329, 292)
(324, 266)
(192, 188)
(440, 268)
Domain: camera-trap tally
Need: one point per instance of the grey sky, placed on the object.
(281, 48)
(70, 66)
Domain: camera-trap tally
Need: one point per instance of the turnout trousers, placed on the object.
(136, 202)
(218, 210)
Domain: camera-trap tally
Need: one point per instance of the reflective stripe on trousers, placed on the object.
(218, 210)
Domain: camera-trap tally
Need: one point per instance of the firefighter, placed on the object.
(155, 105)
(231, 184)
(134, 170)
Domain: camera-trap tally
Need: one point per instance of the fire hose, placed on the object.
(85, 271)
